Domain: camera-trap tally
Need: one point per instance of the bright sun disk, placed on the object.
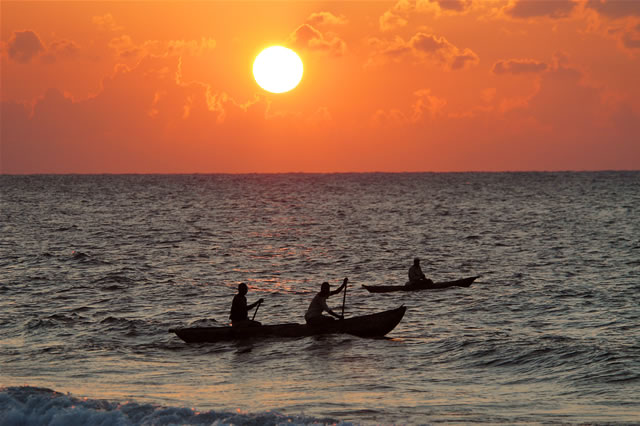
(277, 69)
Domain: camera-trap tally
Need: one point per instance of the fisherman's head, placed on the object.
(416, 261)
(325, 288)
(242, 289)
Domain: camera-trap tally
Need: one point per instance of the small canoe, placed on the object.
(465, 282)
(373, 325)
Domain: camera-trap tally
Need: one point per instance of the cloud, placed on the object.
(425, 107)
(326, 18)
(308, 37)
(64, 48)
(555, 9)
(615, 19)
(61, 49)
(558, 79)
(391, 118)
(438, 47)
(615, 9)
(23, 46)
(392, 49)
(454, 5)
(125, 48)
(564, 123)
(464, 59)
(190, 47)
(390, 21)
(518, 66)
(106, 23)
(399, 15)
(563, 99)
(426, 47)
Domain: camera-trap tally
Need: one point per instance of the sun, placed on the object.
(277, 69)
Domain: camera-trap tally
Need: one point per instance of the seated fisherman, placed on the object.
(240, 311)
(319, 305)
(416, 276)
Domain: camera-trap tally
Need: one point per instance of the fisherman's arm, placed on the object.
(339, 289)
(327, 309)
(253, 305)
(334, 314)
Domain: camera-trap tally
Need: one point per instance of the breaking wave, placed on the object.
(26, 405)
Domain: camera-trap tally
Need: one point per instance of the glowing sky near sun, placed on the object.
(427, 85)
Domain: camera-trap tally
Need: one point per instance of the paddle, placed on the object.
(344, 297)
(256, 311)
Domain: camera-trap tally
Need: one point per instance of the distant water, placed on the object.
(95, 269)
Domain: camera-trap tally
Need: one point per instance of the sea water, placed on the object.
(94, 271)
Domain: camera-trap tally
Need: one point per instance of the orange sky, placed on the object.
(427, 85)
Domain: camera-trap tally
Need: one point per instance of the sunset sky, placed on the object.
(426, 85)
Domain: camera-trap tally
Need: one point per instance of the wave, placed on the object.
(115, 279)
(27, 405)
(54, 320)
(85, 259)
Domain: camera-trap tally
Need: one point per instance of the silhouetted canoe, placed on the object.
(465, 282)
(373, 325)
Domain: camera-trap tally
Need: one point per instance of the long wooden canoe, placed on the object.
(464, 282)
(373, 325)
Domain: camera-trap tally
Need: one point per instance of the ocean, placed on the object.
(95, 269)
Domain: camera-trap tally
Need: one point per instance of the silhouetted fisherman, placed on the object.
(416, 276)
(319, 305)
(240, 311)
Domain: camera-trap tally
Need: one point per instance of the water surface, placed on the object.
(95, 269)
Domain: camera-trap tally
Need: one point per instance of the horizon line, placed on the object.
(309, 173)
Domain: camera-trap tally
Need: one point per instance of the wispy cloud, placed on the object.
(425, 47)
(518, 66)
